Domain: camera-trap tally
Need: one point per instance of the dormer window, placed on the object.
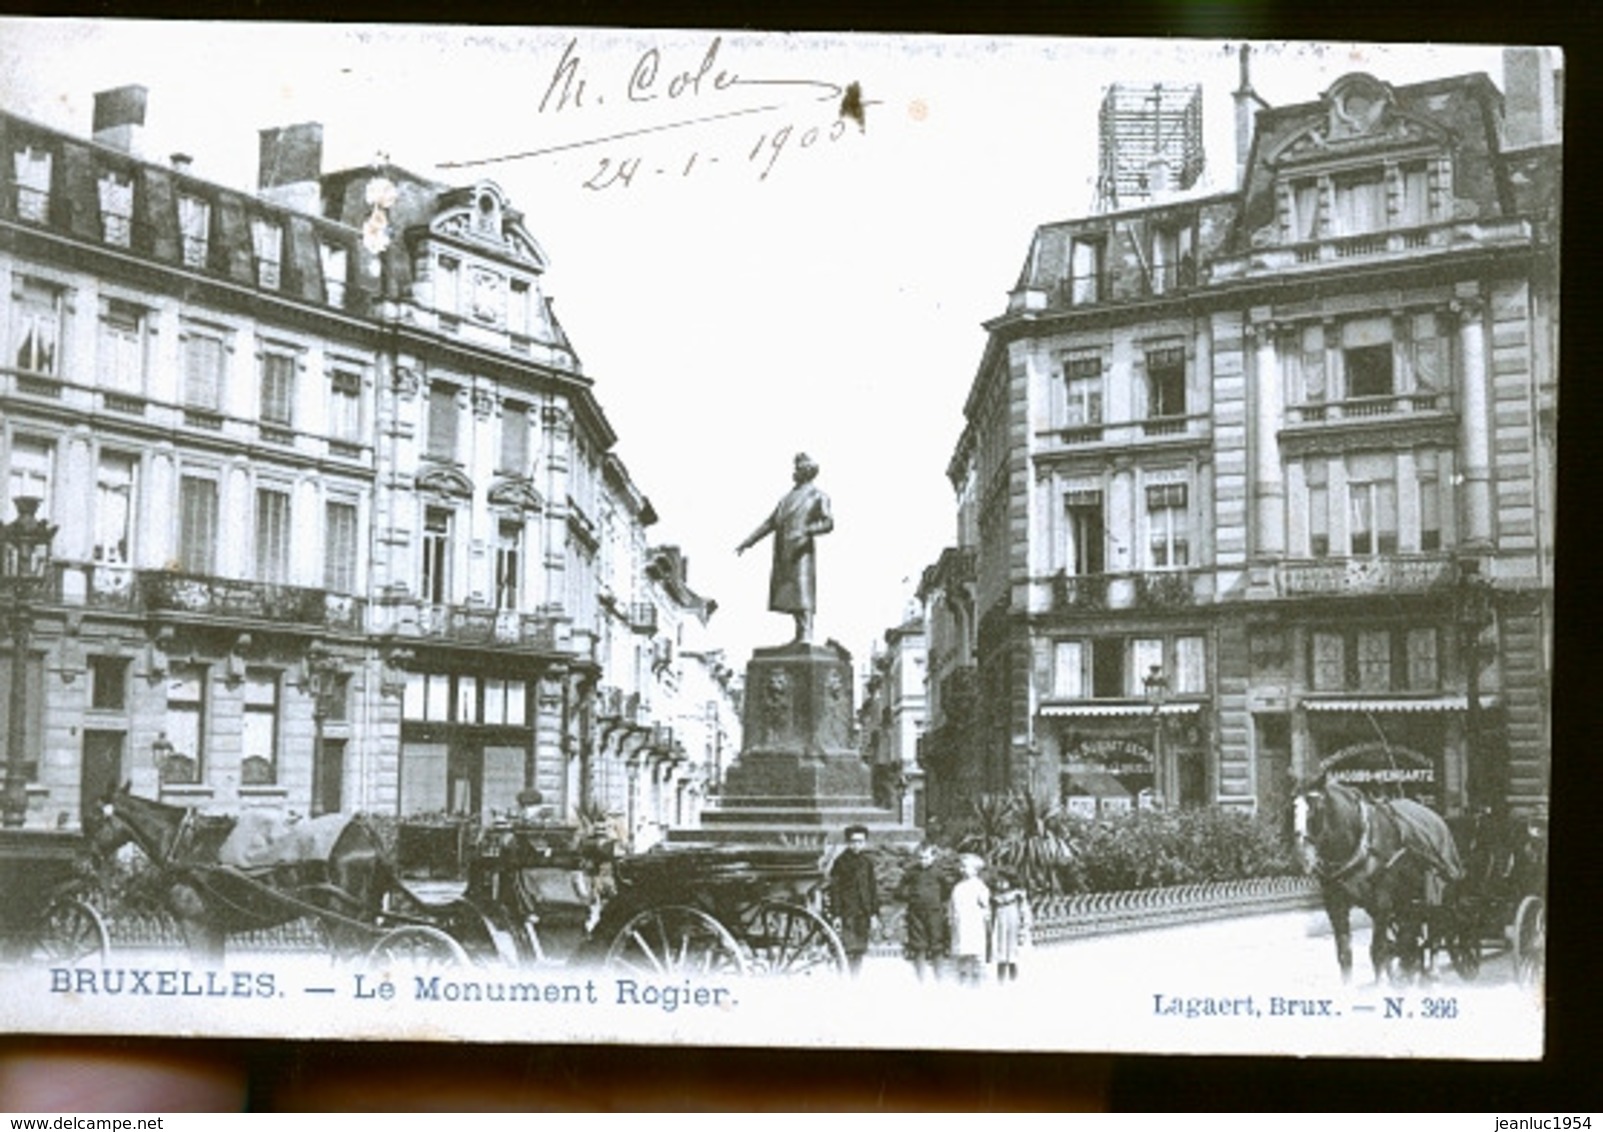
(1415, 203)
(1173, 263)
(1305, 210)
(1360, 203)
(194, 226)
(1085, 270)
(267, 239)
(116, 208)
(32, 168)
(336, 265)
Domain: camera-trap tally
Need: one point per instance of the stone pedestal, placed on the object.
(798, 776)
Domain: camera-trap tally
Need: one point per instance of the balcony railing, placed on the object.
(1153, 590)
(1359, 408)
(108, 586)
(1164, 589)
(1079, 593)
(37, 385)
(1195, 426)
(466, 624)
(1391, 243)
(169, 591)
(1390, 575)
(1164, 426)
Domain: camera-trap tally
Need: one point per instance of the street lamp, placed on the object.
(24, 562)
(321, 680)
(161, 749)
(1156, 686)
(1474, 613)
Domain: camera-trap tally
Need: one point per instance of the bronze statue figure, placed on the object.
(799, 517)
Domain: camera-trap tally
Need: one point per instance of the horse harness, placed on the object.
(1362, 853)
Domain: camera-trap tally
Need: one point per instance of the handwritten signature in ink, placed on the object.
(574, 87)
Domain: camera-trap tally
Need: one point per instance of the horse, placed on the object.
(212, 900)
(1392, 858)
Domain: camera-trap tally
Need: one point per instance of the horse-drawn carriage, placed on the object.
(44, 912)
(535, 893)
(1500, 904)
(1402, 864)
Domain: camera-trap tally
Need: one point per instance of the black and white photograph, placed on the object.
(791, 540)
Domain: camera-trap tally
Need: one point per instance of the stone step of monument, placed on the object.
(786, 801)
(790, 833)
(832, 817)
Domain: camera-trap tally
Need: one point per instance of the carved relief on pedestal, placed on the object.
(776, 706)
(835, 726)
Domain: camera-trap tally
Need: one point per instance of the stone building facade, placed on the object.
(341, 527)
(1259, 484)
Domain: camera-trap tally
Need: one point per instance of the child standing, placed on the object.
(923, 893)
(969, 912)
(1011, 925)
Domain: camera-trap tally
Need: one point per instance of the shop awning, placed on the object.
(1108, 711)
(1098, 783)
(1428, 703)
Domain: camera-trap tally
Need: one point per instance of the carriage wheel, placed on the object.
(787, 939)
(1530, 941)
(675, 940)
(417, 945)
(71, 931)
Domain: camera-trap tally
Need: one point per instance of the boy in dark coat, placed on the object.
(923, 891)
(854, 895)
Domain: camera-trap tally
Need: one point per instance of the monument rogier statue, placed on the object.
(801, 516)
(799, 773)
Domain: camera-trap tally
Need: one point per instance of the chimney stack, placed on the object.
(1247, 104)
(291, 167)
(1533, 108)
(120, 117)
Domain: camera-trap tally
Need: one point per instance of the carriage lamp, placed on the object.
(1156, 686)
(24, 563)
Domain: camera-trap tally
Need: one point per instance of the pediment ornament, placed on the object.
(1360, 113)
(515, 491)
(483, 215)
(445, 481)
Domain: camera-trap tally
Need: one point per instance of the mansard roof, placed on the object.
(1362, 119)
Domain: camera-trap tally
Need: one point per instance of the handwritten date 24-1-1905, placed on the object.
(761, 157)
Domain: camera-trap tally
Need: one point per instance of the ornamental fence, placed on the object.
(1058, 919)
(1082, 914)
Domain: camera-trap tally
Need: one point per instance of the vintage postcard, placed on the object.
(712, 537)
